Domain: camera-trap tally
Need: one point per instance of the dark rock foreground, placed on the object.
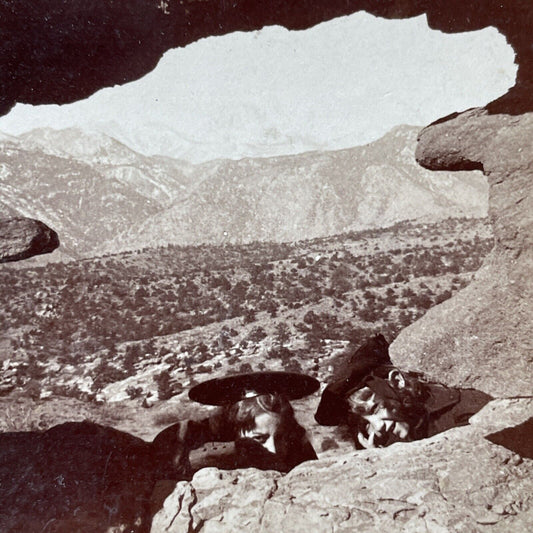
(75, 477)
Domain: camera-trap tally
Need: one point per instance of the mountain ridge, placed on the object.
(103, 197)
(313, 194)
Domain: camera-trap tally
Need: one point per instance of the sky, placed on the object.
(340, 84)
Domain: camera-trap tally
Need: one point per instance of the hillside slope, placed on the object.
(311, 195)
(112, 326)
(87, 188)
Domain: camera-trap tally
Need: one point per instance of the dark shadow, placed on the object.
(84, 477)
(79, 477)
(518, 439)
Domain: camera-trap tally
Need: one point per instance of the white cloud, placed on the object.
(342, 83)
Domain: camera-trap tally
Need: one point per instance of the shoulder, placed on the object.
(451, 407)
(440, 398)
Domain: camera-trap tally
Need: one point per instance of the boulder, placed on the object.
(21, 238)
(481, 337)
(217, 500)
(77, 476)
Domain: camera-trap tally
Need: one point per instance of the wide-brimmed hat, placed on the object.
(234, 388)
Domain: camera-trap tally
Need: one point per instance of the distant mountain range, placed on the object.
(102, 197)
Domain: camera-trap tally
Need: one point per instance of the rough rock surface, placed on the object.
(482, 337)
(21, 238)
(456, 481)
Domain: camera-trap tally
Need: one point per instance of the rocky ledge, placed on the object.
(456, 481)
(482, 337)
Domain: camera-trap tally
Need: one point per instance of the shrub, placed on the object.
(443, 296)
(340, 282)
(422, 301)
(313, 340)
(282, 333)
(165, 390)
(369, 314)
(293, 365)
(33, 389)
(134, 392)
(249, 316)
(245, 367)
(280, 352)
(257, 334)
(105, 373)
(310, 317)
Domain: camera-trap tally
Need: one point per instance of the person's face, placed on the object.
(381, 421)
(265, 428)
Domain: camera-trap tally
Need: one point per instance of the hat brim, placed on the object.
(231, 389)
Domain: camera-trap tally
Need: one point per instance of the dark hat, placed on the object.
(373, 354)
(231, 389)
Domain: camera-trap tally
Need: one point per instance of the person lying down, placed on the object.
(380, 404)
(255, 425)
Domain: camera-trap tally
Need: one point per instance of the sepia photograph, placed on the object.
(266, 266)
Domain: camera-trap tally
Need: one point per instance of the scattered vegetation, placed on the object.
(199, 310)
